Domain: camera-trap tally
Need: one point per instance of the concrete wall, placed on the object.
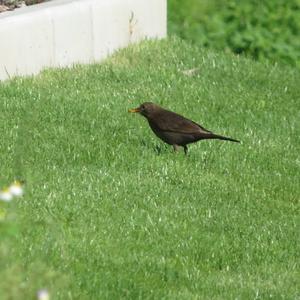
(60, 33)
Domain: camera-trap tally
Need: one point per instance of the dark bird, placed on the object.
(175, 129)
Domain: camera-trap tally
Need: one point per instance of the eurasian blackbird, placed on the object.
(175, 129)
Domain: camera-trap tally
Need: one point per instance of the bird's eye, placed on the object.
(143, 107)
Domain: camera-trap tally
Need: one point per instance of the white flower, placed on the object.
(43, 295)
(5, 195)
(16, 189)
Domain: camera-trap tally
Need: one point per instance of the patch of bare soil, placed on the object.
(6, 5)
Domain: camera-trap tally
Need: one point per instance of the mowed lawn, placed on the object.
(110, 212)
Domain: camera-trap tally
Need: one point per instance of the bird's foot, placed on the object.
(176, 148)
(185, 149)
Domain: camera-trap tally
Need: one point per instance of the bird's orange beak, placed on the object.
(134, 110)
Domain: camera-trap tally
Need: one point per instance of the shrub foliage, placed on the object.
(262, 29)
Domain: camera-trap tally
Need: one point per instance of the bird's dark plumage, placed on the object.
(175, 129)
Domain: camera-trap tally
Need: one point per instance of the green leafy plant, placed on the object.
(261, 29)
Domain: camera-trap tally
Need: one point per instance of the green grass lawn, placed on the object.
(110, 212)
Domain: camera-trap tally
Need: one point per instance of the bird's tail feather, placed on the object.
(224, 138)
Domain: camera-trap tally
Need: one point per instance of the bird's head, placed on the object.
(146, 109)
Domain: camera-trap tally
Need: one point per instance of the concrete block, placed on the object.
(61, 33)
(72, 34)
(25, 45)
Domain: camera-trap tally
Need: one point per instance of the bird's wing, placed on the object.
(173, 122)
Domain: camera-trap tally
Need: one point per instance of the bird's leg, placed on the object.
(176, 147)
(185, 149)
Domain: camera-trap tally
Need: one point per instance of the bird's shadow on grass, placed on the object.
(159, 149)
(207, 153)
